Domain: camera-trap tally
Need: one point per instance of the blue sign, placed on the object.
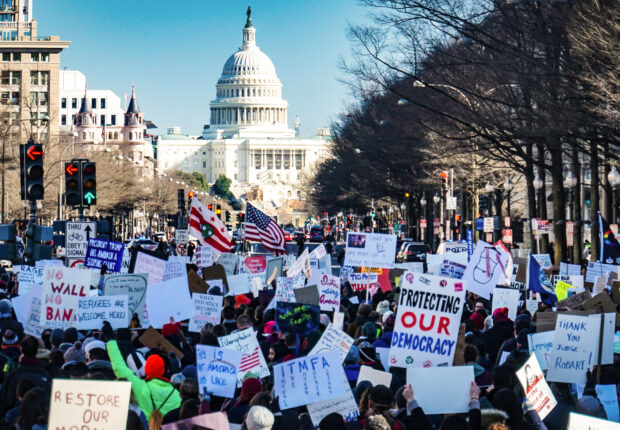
(470, 243)
(100, 252)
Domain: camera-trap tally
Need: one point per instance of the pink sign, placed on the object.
(256, 263)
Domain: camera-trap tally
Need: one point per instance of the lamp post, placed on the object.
(569, 183)
(436, 201)
(538, 184)
(508, 189)
(489, 188)
(423, 206)
(614, 181)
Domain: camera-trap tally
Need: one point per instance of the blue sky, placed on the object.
(175, 51)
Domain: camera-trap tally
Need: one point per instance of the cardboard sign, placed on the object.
(207, 310)
(216, 421)
(584, 422)
(134, 287)
(168, 299)
(297, 318)
(217, 370)
(301, 265)
(150, 265)
(363, 281)
(203, 256)
(507, 297)
(309, 379)
(370, 250)
(29, 277)
(329, 293)
(228, 262)
(308, 295)
(285, 288)
(449, 391)
(541, 345)
(151, 338)
(62, 287)
(608, 397)
(100, 252)
(84, 404)
(488, 267)
(274, 268)
(239, 284)
(375, 377)
(536, 388)
(427, 322)
(333, 339)
(575, 301)
(345, 406)
(252, 359)
(93, 311)
(195, 283)
(216, 272)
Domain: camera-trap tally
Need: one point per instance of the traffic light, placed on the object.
(444, 180)
(218, 211)
(89, 184)
(349, 221)
(190, 196)
(32, 171)
(7, 235)
(72, 184)
(210, 207)
(240, 217)
(181, 199)
(228, 216)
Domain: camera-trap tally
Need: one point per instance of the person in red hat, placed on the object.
(241, 300)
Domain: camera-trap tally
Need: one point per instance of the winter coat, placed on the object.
(147, 393)
(26, 369)
(496, 335)
(384, 341)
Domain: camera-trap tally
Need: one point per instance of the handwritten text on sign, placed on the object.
(207, 310)
(100, 252)
(62, 287)
(217, 370)
(574, 344)
(93, 311)
(329, 293)
(363, 281)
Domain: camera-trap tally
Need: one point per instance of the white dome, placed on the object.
(251, 61)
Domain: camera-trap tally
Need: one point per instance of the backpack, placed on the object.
(9, 362)
(156, 419)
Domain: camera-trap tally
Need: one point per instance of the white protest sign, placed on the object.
(541, 344)
(584, 422)
(363, 281)
(536, 388)
(570, 269)
(181, 236)
(329, 293)
(318, 252)
(488, 266)
(285, 288)
(450, 265)
(229, 262)
(84, 404)
(217, 370)
(332, 339)
(412, 266)
(375, 377)
(93, 311)
(428, 320)
(28, 278)
(339, 319)
(449, 391)
(599, 269)
(150, 265)
(544, 260)
(238, 284)
(252, 359)
(309, 379)
(384, 357)
(207, 310)
(301, 265)
(531, 306)
(62, 287)
(204, 257)
(76, 238)
(370, 250)
(574, 344)
(44, 263)
(133, 285)
(345, 406)
(609, 325)
(608, 397)
(168, 299)
(175, 268)
(28, 311)
(507, 298)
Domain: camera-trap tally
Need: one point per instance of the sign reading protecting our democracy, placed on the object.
(252, 359)
(309, 379)
(427, 322)
(207, 310)
(100, 252)
(93, 311)
(489, 265)
(297, 318)
(363, 281)
(217, 370)
(62, 287)
(133, 285)
(536, 388)
(329, 292)
(332, 339)
(88, 404)
(370, 250)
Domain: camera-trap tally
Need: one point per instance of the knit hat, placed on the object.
(500, 314)
(249, 388)
(353, 356)
(259, 418)
(9, 338)
(177, 379)
(333, 421)
(269, 327)
(74, 353)
(56, 337)
(478, 320)
(325, 320)
(154, 367)
(190, 371)
(241, 300)
(94, 344)
(525, 317)
(5, 306)
(369, 329)
(381, 395)
(383, 307)
(367, 352)
(70, 335)
(389, 321)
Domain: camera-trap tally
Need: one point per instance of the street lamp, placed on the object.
(436, 198)
(489, 188)
(614, 181)
(422, 201)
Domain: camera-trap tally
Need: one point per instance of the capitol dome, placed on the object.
(248, 95)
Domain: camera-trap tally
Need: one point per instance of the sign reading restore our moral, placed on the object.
(427, 323)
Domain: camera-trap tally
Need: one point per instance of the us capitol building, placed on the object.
(248, 139)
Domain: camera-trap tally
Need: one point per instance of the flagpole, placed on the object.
(601, 233)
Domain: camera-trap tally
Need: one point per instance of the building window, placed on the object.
(235, 164)
(6, 77)
(16, 78)
(5, 98)
(236, 176)
(73, 103)
(115, 135)
(34, 78)
(6, 56)
(93, 103)
(204, 164)
(17, 56)
(45, 78)
(73, 119)
(287, 159)
(45, 56)
(102, 120)
(63, 120)
(257, 159)
(63, 103)
(102, 104)
(34, 56)
(34, 99)
(43, 99)
(113, 119)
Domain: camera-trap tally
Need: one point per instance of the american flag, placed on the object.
(261, 228)
(250, 361)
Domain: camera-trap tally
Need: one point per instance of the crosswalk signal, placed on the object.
(89, 184)
(72, 184)
(32, 186)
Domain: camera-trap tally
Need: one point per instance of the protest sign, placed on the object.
(449, 391)
(543, 260)
(152, 339)
(427, 322)
(252, 359)
(217, 370)
(333, 339)
(93, 311)
(339, 319)
(274, 265)
(345, 406)
(363, 281)
(154, 267)
(308, 295)
(329, 293)
(195, 283)
(301, 265)
(88, 404)
(285, 287)
(599, 269)
(29, 277)
(451, 265)
(561, 289)
(584, 422)
(207, 310)
(375, 377)
(132, 285)
(255, 263)
(570, 269)
(175, 268)
(215, 421)
(508, 298)
(239, 284)
(541, 344)
(608, 397)
(370, 250)
(489, 266)
(168, 299)
(318, 252)
(28, 312)
(228, 262)
(203, 256)
(100, 252)
(536, 388)
(574, 301)
(531, 306)
(215, 272)
(296, 317)
(309, 379)
(62, 287)
(384, 356)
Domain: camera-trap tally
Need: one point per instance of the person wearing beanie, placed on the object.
(259, 418)
(522, 322)
(383, 307)
(352, 365)
(69, 337)
(241, 300)
(333, 421)
(97, 359)
(249, 388)
(385, 340)
(74, 354)
(7, 322)
(363, 314)
(154, 391)
(56, 338)
(9, 353)
(477, 321)
(369, 332)
(503, 329)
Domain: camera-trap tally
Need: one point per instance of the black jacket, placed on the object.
(39, 377)
(494, 337)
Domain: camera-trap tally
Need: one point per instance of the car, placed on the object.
(413, 252)
(317, 234)
(159, 236)
(148, 244)
(298, 234)
(288, 236)
(451, 247)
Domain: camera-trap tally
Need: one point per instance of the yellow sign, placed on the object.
(561, 289)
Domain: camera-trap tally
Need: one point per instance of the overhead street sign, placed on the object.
(76, 238)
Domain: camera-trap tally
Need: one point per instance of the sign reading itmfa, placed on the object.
(77, 235)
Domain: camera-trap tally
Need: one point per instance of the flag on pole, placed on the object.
(610, 248)
(540, 283)
(261, 228)
(208, 228)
